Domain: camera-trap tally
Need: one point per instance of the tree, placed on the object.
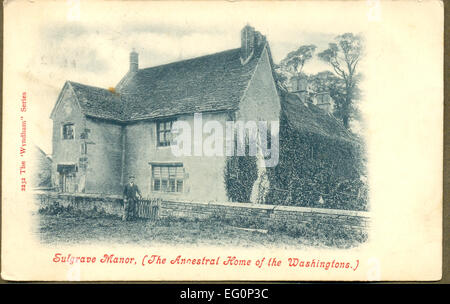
(344, 56)
(292, 64)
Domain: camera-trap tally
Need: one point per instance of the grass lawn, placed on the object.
(85, 229)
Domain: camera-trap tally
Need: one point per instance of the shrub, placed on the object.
(240, 175)
(69, 211)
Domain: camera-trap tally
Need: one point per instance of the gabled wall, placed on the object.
(97, 171)
(67, 152)
(261, 100)
(260, 103)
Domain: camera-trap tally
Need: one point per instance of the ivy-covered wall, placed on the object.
(240, 175)
(317, 171)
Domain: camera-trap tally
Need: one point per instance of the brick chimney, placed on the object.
(250, 41)
(134, 61)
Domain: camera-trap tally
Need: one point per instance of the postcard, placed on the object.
(222, 141)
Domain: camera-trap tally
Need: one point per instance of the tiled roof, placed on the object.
(209, 83)
(98, 102)
(306, 117)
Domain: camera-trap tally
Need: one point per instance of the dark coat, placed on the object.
(130, 192)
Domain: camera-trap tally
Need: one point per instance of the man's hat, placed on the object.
(131, 176)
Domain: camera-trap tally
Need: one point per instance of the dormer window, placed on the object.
(68, 131)
(164, 132)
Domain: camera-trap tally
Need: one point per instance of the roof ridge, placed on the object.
(189, 59)
(86, 85)
(211, 82)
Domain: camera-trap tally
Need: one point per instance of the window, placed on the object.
(85, 134)
(68, 131)
(168, 178)
(164, 130)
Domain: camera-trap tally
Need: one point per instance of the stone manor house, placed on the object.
(101, 136)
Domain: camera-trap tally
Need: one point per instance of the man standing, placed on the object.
(131, 194)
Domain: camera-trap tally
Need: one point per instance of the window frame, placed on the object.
(165, 132)
(63, 126)
(172, 183)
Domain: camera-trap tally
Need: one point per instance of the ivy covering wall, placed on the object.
(240, 174)
(317, 171)
(313, 171)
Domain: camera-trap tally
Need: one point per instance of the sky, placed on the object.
(97, 52)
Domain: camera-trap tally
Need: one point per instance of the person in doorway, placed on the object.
(131, 195)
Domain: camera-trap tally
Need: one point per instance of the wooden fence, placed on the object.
(148, 208)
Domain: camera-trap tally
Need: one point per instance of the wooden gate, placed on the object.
(148, 208)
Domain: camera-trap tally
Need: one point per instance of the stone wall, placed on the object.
(111, 204)
(263, 215)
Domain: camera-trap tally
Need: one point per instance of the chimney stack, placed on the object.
(134, 61)
(250, 40)
(299, 86)
(324, 101)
